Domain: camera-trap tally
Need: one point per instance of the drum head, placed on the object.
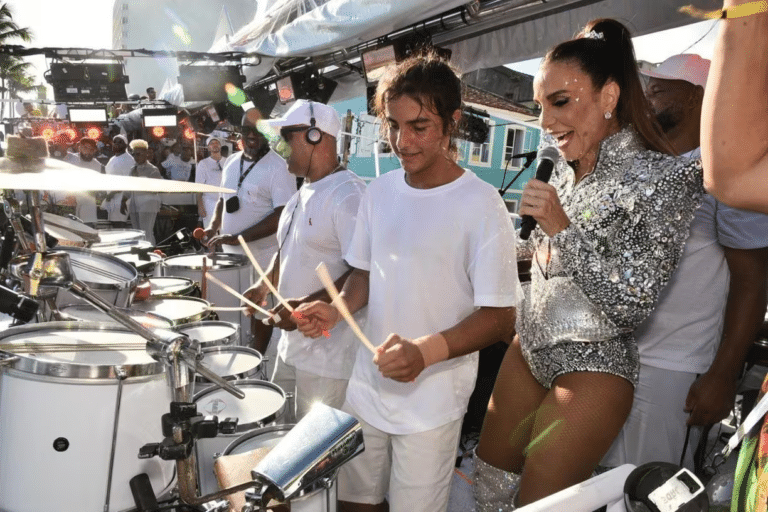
(122, 248)
(264, 402)
(213, 333)
(100, 271)
(82, 350)
(87, 313)
(266, 437)
(161, 287)
(141, 263)
(121, 236)
(84, 231)
(66, 238)
(229, 362)
(195, 261)
(179, 310)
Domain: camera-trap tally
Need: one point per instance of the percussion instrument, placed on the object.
(112, 279)
(76, 406)
(264, 404)
(121, 248)
(162, 287)
(316, 498)
(119, 237)
(144, 263)
(82, 231)
(231, 363)
(212, 333)
(232, 269)
(88, 313)
(179, 310)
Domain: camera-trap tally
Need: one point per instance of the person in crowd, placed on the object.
(30, 110)
(611, 228)
(315, 226)
(734, 123)
(692, 347)
(440, 283)
(151, 94)
(85, 157)
(120, 164)
(179, 165)
(209, 173)
(263, 185)
(144, 206)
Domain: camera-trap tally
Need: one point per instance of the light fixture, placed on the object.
(87, 114)
(156, 117)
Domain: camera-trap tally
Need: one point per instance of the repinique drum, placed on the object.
(144, 262)
(264, 403)
(163, 287)
(87, 313)
(213, 333)
(232, 269)
(179, 310)
(59, 404)
(113, 280)
(230, 363)
(320, 497)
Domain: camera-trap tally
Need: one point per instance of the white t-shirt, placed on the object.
(119, 165)
(209, 173)
(684, 331)
(176, 168)
(434, 257)
(86, 203)
(267, 186)
(316, 226)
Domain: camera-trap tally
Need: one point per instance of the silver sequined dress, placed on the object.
(595, 281)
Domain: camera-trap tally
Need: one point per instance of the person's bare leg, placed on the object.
(576, 424)
(347, 506)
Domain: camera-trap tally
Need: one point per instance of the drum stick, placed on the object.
(226, 287)
(204, 280)
(327, 280)
(266, 280)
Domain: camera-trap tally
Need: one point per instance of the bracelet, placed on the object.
(737, 11)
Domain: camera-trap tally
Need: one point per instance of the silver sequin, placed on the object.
(494, 489)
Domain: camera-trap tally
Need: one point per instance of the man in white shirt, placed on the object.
(209, 173)
(263, 185)
(119, 165)
(180, 167)
(85, 208)
(433, 257)
(315, 226)
(692, 347)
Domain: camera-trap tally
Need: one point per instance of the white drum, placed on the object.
(179, 310)
(230, 363)
(112, 248)
(87, 313)
(57, 415)
(232, 269)
(213, 333)
(144, 262)
(320, 497)
(113, 280)
(69, 232)
(163, 287)
(117, 237)
(264, 404)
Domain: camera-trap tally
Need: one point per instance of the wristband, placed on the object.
(433, 348)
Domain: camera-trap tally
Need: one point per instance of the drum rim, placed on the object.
(90, 233)
(35, 366)
(265, 421)
(237, 349)
(232, 338)
(149, 314)
(183, 293)
(239, 260)
(130, 283)
(195, 318)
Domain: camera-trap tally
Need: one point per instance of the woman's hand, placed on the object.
(540, 201)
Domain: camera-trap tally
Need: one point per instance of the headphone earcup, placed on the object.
(314, 135)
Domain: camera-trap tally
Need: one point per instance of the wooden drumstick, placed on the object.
(266, 280)
(226, 287)
(327, 280)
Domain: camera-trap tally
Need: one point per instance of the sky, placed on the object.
(88, 24)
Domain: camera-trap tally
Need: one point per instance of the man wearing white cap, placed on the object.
(119, 165)
(209, 173)
(315, 226)
(693, 345)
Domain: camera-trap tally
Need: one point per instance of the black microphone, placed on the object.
(18, 305)
(547, 157)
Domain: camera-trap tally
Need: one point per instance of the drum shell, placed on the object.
(232, 269)
(318, 498)
(254, 412)
(56, 423)
(164, 287)
(118, 291)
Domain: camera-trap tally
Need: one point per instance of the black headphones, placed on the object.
(313, 135)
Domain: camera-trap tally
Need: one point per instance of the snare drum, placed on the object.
(110, 248)
(144, 263)
(179, 310)
(57, 414)
(232, 269)
(163, 287)
(87, 313)
(213, 333)
(320, 497)
(69, 232)
(113, 280)
(264, 403)
(231, 363)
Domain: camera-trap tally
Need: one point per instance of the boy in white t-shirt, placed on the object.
(434, 259)
(316, 226)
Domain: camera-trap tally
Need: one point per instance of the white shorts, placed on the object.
(656, 427)
(308, 388)
(412, 471)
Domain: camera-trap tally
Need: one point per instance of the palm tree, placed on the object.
(14, 73)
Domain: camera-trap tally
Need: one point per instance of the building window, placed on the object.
(514, 145)
(512, 205)
(480, 154)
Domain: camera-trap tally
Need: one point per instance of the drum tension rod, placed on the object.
(181, 427)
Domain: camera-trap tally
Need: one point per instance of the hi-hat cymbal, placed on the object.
(57, 175)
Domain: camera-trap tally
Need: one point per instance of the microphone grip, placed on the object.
(543, 173)
(143, 495)
(526, 226)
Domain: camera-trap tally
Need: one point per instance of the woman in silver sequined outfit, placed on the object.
(611, 227)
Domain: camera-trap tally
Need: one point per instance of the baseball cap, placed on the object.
(121, 137)
(301, 113)
(686, 66)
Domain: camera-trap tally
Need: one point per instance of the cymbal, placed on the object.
(57, 175)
